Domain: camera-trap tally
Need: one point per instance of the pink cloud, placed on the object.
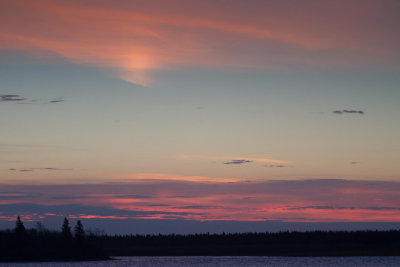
(300, 200)
(135, 38)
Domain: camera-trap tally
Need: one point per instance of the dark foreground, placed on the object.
(317, 243)
(48, 246)
(25, 245)
(53, 246)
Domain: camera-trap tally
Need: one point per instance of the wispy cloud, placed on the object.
(11, 98)
(174, 177)
(157, 35)
(238, 161)
(349, 111)
(38, 212)
(232, 159)
(57, 100)
(275, 166)
(18, 99)
(39, 169)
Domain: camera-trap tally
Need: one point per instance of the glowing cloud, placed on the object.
(135, 38)
(168, 196)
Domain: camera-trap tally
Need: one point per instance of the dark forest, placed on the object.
(39, 244)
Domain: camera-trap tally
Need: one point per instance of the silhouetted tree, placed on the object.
(22, 244)
(79, 232)
(66, 230)
(19, 228)
(20, 237)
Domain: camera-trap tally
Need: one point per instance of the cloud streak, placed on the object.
(238, 161)
(38, 212)
(173, 177)
(232, 159)
(57, 100)
(275, 166)
(22, 100)
(349, 111)
(39, 169)
(11, 98)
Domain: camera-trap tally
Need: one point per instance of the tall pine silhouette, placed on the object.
(66, 230)
(20, 231)
(79, 232)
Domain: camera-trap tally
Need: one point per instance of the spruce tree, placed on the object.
(20, 237)
(79, 232)
(66, 230)
(19, 228)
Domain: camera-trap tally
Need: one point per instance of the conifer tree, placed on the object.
(19, 228)
(79, 232)
(66, 230)
(20, 235)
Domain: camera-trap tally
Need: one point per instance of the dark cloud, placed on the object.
(355, 162)
(351, 111)
(22, 100)
(11, 98)
(57, 100)
(238, 161)
(275, 166)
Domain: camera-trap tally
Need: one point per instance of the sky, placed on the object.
(171, 110)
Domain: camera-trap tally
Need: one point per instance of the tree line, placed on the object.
(40, 244)
(312, 243)
(20, 244)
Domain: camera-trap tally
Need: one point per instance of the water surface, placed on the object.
(194, 261)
